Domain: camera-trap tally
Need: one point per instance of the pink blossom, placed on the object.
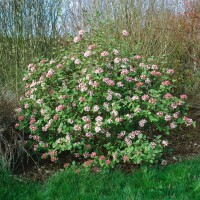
(72, 58)
(77, 128)
(87, 108)
(128, 141)
(30, 66)
(132, 69)
(117, 60)
(152, 100)
(145, 97)
(137, 57)
(183, 96)
(168, 96)
(102, 157)
(95, 84)
(16, 125)
(106, 104)
(165, 143)
(18, 110)
(93, 154)
(173, 105)
(43, 61)
(125, 33)
(120, 84)
(109, 81)
(107, 162)
(172, 125)
(142, 122)
(153, 145)
(82, 87)
(77, 39)
(176, 115)
(115, 156)
(170, 71)
(86, 119)
(39, 101)
(97, 129)
(62, 96)
(98, 70)
(26, 106)
(24, 78)
(108, 134)
(148, 81)
(52, 62)
(35, 147)
(96, 108)
(77, 155)
(44, 156)
(55, 117)
(160, 114)
(118, 119)
(53, 159)
(88, 146)
(87, 163)
(81, 32)
(125, 60)
(143, 76)
(90, 93)
(91, 47)
(125, 158)
(116, 52)
(87, 126)
(59, 108)
(104, 53)
(87, 54)
(81, 99)
(134, 98)
(139, 84)
(67, 137)
(70, 121)
(180, 102)
(66, 165)
(155, 67)
(124, 72)
(32, 121)
(188, 121)
(121, 134)
(138, 110)
(155, 73)
(89, 134)
(21, 118)
(59, 66)
(86, 155)
(77, 61)
(50, 73)
(167, 117)
(166, 83)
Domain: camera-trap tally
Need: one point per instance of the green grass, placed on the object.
(179, 181)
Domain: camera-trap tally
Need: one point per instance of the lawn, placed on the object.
(177, 181)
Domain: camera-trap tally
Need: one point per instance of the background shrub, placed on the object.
(100, 103)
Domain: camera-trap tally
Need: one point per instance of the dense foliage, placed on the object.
(100, 104)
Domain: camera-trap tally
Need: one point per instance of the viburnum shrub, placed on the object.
(100, 104)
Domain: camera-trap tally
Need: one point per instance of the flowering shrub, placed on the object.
(99, 105)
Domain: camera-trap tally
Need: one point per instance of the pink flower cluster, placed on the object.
(125, 33)
(109, 81)
(188, 121)
(104, 53)
(50, 73)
